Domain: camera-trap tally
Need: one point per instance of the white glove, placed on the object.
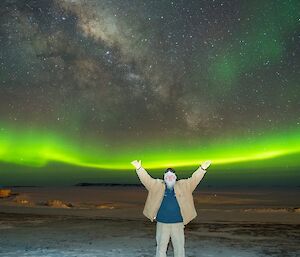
(205, 165)
(137, 164)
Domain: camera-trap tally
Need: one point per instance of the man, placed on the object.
(170, 202)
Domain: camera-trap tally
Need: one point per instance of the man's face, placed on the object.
(170, 179)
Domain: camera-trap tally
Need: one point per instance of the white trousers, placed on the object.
(165, 231)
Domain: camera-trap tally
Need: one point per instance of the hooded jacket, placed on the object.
(183, 191)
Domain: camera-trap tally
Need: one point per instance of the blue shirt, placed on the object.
(169, 211)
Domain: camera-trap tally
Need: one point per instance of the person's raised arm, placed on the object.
(197, 176)
(143, 175)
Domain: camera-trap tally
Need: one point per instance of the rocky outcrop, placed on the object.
(5, 193)
(23, 200)
(58, 204)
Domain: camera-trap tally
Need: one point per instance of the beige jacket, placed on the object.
(183, 190)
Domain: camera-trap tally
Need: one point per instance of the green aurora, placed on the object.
(36, 149)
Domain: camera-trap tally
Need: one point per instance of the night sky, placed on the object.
(88, 86)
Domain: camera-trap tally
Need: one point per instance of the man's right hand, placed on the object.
(137, 164)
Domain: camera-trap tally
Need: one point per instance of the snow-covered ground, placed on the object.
(64, 236)
(108, 222)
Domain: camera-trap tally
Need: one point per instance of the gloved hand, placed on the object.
(205, 165)
(137, 164)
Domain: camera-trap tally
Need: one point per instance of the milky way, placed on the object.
(98, 83)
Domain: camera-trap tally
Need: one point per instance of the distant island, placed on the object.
(107, 184)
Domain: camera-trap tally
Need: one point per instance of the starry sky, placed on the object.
(88, 86)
